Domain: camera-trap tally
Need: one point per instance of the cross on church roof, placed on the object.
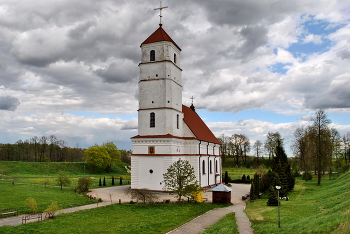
(192, 99)
(160, 13)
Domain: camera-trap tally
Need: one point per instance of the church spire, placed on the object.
(160, 13)
(192, 106)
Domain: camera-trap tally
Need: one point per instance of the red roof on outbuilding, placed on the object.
(197, 126)
(159, 35)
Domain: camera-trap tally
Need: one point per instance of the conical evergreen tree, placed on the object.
(112, 180)
(104, 181)
(121, 180)
(226, 177)
(273, 192)
(100, 182)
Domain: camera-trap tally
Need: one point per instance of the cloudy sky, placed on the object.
(70, 68)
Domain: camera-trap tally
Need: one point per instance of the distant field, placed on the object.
(238, 172)
(124, 218)
(311, 209)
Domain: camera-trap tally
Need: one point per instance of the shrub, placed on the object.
(83, 184)
(31, 203)
(307, 176)
(146, 196)
(52, 209)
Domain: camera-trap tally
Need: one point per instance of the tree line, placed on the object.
(238, 148)
(47, 149)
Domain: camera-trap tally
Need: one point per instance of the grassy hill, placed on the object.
(37, 169)
(311, 209)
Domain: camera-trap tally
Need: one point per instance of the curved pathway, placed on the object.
(112, 195)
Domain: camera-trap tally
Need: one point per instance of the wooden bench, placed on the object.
(8, 211)
(245, 197)
(38, 216)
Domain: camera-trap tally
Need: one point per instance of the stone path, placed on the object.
(112, 195)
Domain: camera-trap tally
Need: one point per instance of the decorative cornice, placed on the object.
(165, 60)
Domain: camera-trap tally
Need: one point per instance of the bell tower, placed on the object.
(160, 86)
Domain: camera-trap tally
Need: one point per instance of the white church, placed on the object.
(168, 130)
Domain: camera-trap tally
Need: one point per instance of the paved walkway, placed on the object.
(113, 194)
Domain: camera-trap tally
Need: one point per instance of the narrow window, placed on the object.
(152, 122)
(175, 58)
(153, 55)
(177, 121)
(210, 167)
(203, 167)
(216, 166)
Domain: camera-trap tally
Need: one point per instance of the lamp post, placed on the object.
(278, 199)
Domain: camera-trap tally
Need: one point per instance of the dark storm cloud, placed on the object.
(241, 13)
(118, 73)
(254, 37)
(8, 103)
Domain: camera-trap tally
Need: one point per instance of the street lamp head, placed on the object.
(278, 187)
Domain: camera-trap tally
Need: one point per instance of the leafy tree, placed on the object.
(114, 154)
(97, 157)
(180, 179)
(83, 184)
(63, 180)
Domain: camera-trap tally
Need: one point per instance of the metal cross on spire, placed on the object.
(160, 13)
(192, 99)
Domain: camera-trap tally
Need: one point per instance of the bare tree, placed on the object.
(321, 127)
(258, 149)
(271, 141)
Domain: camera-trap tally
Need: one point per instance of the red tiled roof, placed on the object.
(159, 35)
(197, 126)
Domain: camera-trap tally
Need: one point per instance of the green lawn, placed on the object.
(14, 196)
(311, 209)
(226, 225)
(124, 218)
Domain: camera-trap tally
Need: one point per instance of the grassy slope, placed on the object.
(124, 218)
(42, 169)
(311, 209)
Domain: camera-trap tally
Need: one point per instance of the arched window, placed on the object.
(177, 121)
(153, 55)
(175, 58)
(210, 167)
(152, 122)
(203, 167)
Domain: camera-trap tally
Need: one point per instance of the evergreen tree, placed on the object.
(100, 182)
(281, 166)
(226, 177)
(104, 181)
(112, 180)
(121, 180)
(273, 199)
